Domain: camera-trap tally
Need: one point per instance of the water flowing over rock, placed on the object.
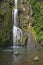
(17, 32)
(17, 35)
(15, 16)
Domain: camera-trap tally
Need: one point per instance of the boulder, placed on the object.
(36, 58)
(17, 53)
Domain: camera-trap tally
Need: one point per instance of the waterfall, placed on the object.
(17, 32)
(16, 4)
(15, 17)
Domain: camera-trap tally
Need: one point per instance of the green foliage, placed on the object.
(24, 27)
(37, 20)
(5, 24)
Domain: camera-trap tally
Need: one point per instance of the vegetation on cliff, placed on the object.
(26, 10)
(37, 19)
(6, 22)
(34, 8)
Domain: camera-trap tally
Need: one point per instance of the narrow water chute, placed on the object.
(17, 32)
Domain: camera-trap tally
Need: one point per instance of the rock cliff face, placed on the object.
(24, 19)
(24, 14)
(6, 23)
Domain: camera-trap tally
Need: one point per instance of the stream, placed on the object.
(7, 56)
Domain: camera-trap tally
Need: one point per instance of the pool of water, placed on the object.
(7, 56)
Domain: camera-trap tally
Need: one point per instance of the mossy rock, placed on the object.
(23, 41)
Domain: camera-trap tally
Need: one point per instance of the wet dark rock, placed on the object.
(36, 58)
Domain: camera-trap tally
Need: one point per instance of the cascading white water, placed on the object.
(15, 16)
(16, 4)
(17, 32)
